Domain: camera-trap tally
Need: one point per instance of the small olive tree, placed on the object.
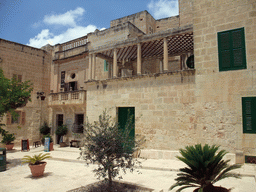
(109, 146)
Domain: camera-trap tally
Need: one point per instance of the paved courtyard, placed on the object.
(65, 172)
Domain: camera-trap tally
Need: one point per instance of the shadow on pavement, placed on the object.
(10, 163)
(46, 174)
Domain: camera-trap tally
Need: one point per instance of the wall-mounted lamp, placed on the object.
(40, 95)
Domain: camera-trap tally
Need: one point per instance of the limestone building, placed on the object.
(188, 79)
(27, 63)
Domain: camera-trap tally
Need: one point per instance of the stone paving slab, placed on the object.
(65, 172)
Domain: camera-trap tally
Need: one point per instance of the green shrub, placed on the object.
(204, 167)
(8, 138)
(62, 130)
(45, 129)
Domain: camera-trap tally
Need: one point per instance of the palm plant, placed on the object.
(205, 167)
(36, 159)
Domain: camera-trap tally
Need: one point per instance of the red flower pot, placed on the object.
(9, 146)
(37, 170)
(51, 146)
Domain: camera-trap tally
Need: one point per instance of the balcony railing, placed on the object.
(68, 98)
(71, 48)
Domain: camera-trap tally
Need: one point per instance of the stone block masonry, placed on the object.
(34, 65)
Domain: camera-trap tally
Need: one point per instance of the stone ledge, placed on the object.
(155, 75)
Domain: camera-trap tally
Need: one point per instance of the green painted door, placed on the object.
(124, 113)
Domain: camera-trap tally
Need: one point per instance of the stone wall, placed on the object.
(79, 67)
(186, 11)
(112, 35)
(68, 119)
(167, 23)
(164, 106)
(219, 94)
(34, 65)
(137, 19)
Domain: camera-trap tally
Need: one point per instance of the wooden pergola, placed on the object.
(173, 42)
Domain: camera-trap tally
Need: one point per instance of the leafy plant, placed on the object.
(8, 138)
(48, 135)
(13, 94)
(45, 129)
(205, 167)
(110, 147)
(62, 130)
(36, 159)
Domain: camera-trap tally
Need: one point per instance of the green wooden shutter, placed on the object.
(105, 65)
(249, 114)
(239, 48)
(231, 48)
(224, 51)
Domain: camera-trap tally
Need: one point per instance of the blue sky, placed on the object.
(39, 22)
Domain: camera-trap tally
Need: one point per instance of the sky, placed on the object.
(40, 22)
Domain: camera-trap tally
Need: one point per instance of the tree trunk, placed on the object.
(109, 179)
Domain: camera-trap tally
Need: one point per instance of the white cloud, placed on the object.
(45, 37)
(66, 19)
(69, 21)
(163, 8)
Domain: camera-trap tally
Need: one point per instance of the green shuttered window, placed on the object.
(231, 47)
(105, 65)
(249, 114)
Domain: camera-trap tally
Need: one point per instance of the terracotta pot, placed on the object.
(37, 170)
(9, 146)
(51, 146)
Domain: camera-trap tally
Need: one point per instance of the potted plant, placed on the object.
(36, 163)
(8, 138)
(204, 168)
(45, 129)
(51, 140)
(61, 131)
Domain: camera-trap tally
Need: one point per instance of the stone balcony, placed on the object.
(68, 98)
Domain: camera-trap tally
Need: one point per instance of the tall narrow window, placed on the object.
(106, 65)
(59, 119)
(79, 121)
(231, 48)
(17, 77)
(62, 79)
(249, 114)
(73, 86)
(20, 119)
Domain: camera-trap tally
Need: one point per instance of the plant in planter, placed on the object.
(36, 163)
(45, 129)
(204, 168)
(8, 138)
(61, 131)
